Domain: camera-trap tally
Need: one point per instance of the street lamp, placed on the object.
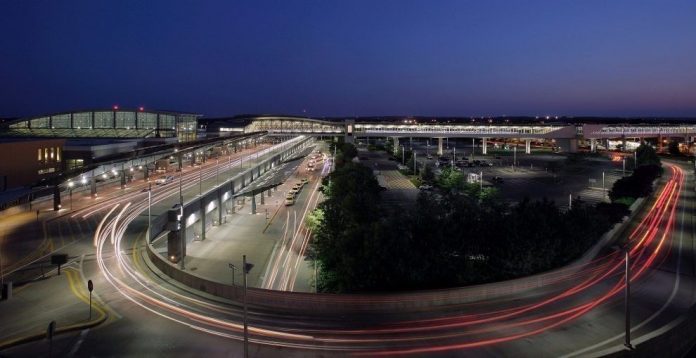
(149, 213)
(623, 160)
(627, 279)
(246, 268)
(403, 155)
(481, 180)
(604, 190)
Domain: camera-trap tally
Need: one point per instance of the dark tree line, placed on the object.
(451, 238)
(638, 184)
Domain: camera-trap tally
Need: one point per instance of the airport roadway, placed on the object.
(577, 312)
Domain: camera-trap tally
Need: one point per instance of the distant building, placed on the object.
(26, 162)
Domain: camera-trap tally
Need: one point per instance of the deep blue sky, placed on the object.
(331, 58)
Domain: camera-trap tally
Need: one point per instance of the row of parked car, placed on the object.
(294, 191)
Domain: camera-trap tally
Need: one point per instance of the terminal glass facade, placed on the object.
(108, 124)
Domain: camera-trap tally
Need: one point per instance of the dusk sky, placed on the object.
(350, 58)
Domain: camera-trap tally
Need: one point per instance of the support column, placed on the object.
(396, 145)
(659, 144)
(146, 173)
(203, 208)
(219, 206)
(93, 185)
(623, 141)
(484, 146)
(123, 178)
(262, 200)
(56, 198)
(593, 145)
(253, 202)
(179, 160)
(439, 146)
(527, 146)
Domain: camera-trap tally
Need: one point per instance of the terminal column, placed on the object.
(253, 203)
(396, 145)
(93, 185)
(203, 209)
(593, 145)
(484, 144)
(439, 146)
(527, 146)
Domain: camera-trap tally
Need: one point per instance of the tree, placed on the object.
(427, 174)
(350, 215)
(646, 155)
(349, 151)
(674, 148)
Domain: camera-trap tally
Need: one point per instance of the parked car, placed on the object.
(425, 187)
(497, 180)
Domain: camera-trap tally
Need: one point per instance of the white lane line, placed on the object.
(653, 333)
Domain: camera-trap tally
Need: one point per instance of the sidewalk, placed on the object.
(27, 314)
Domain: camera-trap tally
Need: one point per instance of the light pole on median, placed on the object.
(403, 155)
(200, 180)
(623, 173)
(217, 171)
(481, 180)
(604, 190)
(149, 216)
(627, 279)
(246, 267)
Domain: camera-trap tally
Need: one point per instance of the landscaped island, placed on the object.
(459, 234)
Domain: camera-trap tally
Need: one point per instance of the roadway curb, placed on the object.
(38, 336)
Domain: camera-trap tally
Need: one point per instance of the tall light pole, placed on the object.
(403, 155)
(246, 269)
(149, 217)
(481, 180)
(627, 279)
(604, 190)
(514, 156)
(635, 159)
(200, 180)
(570, 202)
(217, 171)
(623, 160)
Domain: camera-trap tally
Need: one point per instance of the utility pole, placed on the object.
(627, 279)
(570, 202)
(149, 213)
(604, 190)
(246, 329)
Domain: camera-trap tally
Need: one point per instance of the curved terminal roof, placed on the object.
(105, 123)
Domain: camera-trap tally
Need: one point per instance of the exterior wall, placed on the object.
(24, 163)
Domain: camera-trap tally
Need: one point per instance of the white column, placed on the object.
(396, 145)
(439, 146)
(484, 144)
(527, 146)
(593, 145)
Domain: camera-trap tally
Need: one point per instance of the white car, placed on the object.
(290, 200)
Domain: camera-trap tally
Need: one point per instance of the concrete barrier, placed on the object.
(323, 303)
